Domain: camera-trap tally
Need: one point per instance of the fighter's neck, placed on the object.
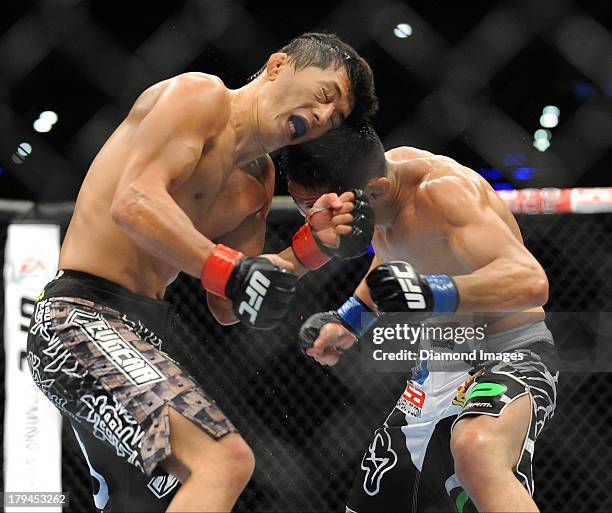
(245, 122)
(402, 187)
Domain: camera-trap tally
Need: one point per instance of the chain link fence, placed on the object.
(470, 81)
(484, 72)
(309, 425)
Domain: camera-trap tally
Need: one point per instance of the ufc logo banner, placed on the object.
(408, 281)
(256, 291)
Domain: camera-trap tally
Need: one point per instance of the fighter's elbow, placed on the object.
(537, 287)
(127, 206)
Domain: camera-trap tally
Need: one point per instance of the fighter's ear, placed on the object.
(377, 187)
(274, 64)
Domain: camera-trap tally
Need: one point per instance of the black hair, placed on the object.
(322, 50)
(344, 158)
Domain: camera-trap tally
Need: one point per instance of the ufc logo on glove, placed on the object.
(256, 291)
(412, 291)
(260, 291)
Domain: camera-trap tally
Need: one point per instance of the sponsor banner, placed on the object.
(32, 425)
(558, 201)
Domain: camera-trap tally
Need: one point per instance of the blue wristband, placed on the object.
(444, 292)
(351, 312)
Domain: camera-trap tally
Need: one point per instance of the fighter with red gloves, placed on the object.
(184, 184)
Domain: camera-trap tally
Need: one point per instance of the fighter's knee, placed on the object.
(473, 451)
(238, 456)
(230, 456)
(198, 453)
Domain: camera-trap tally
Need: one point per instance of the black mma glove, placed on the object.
(396, 287)
(311, 251)
(260, 291)
(354, 315)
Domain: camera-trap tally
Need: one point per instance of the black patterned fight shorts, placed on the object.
(94, 349)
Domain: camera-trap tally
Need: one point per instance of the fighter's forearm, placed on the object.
(502, 285)
(363, 293)
(158, 225)
(289, 255)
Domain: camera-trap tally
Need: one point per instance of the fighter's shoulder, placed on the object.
(204, 94)
(195, 82)
(208, 89)
(450, 191)
(405, 154)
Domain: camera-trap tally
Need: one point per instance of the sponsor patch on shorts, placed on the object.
(478, 405)
(161, 486)
(459, 399)
(123, 355)
(411, 401)
(377, 461)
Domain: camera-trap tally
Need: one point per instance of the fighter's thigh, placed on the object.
(503, 436)
(405, 464)
(118, 485)
(386, 475)
(389, 479)
(495, 420)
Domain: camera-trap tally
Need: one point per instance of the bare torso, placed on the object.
(415, 234)
(218, 196)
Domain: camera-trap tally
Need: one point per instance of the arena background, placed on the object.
(469, 81)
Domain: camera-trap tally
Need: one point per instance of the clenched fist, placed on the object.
(324, 336)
